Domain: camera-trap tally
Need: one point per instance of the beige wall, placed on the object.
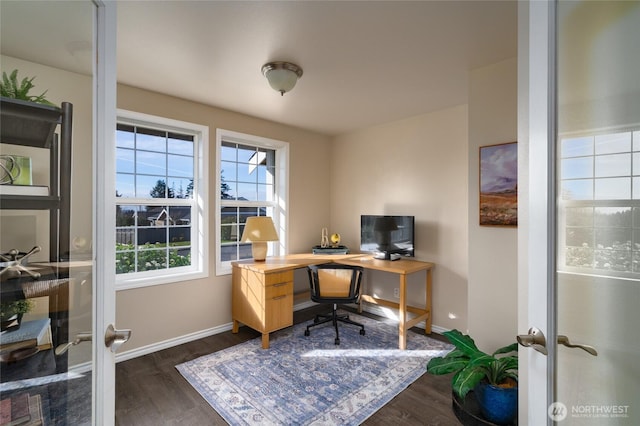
(164, 312)
(416, 166)
(493, 254)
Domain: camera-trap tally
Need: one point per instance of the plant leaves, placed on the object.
(506, 349)
(462, 342)
(446, 365)
(466, 380)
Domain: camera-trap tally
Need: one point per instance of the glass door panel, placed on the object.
(598, 235)
(47, 356)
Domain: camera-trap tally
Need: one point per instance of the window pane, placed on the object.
(125, 186)
(151, 140)
(579, 216)
(579, 256)
(179, 257)
(125, 160)
(247, 191)
(151, 163)
(581, 167)
(228, 171)
(265, 192)
(618, 142)
(151, 186)
(149, 260)
(636, 188)
(246, 174)
(579, 237)
(619, 217)
(180, 188)
(178, 144)
(125, 137)
(613, 165)
(180, 165)
(577, 147)
(245, 153)
(228, 152)
(228, 190)
(613, 189)
(577, 189)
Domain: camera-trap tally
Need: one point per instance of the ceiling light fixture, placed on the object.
(282, 76)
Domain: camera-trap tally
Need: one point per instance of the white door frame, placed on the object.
(104, 295)
(536, 241)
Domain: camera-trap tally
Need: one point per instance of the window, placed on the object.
(600, 203)
(252, 177)
(161, 195)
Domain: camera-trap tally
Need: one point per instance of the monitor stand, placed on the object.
(387, 256)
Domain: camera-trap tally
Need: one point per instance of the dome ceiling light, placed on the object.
(282, 76)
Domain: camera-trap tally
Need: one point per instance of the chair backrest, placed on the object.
(335, 283)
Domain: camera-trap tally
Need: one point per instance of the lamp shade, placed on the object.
(259, 228)
(282, 76)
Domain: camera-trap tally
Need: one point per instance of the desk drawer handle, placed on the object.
(279, 297)
(280, 284)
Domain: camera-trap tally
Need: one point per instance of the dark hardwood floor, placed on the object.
(150, 391)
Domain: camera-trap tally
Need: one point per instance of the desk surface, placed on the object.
(294, 261)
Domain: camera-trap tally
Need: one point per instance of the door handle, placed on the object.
(534, 339)
(113, 338)
(564, 340)
(80, 337)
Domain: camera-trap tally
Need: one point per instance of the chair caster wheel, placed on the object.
(337, 341)
(306, 332)
(362, 332)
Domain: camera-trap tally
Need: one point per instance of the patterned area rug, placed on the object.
(308, 380)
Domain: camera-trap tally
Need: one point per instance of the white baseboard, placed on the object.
(154, 347)
(166, 344)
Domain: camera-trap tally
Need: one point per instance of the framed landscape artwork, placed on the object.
(499, 185)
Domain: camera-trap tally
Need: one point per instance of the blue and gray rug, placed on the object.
(308, 380)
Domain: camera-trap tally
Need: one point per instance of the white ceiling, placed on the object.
(364, 62)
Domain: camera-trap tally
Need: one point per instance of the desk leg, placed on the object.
(402, 329)
(235, 327)
(427, 328)
(265, 340)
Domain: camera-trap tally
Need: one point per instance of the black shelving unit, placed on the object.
(35, 125)
(30, 124)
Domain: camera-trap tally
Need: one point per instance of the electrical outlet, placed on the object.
(396, 293)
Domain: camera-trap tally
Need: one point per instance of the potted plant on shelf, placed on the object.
(493, 378)
(10, 88)
(11, 313)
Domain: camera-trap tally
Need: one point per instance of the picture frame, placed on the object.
(498, 185)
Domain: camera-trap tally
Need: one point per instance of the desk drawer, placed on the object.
(278, 277)
(278, 312)
(277, 290)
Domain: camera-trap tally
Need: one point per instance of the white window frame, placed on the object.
(281, 196)
(199, 267)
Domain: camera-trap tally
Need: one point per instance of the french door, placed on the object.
(68, 48)
(581, 239)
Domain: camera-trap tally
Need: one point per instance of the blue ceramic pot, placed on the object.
(498, 405)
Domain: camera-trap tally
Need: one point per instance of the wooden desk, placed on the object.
(262, 294)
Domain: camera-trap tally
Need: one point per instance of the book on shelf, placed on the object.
(33, 190)
(21, 410)
(31, 333)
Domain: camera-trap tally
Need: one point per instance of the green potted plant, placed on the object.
(11, 88)
(11, 313)
(494, 378)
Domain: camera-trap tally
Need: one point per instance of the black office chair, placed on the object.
(334, 283)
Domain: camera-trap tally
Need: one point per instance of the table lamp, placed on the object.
(258, 230)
